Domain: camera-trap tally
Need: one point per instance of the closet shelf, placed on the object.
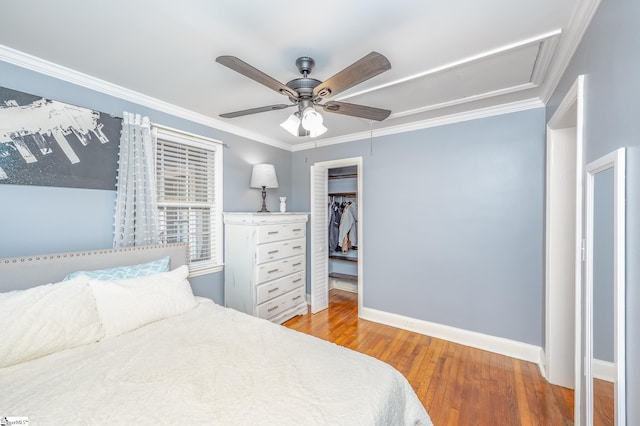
(343, 257)
(344, 176)
(344, 277)
(343, 194)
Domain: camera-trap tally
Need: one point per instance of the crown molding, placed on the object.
(580, 20)
(475, 114)
(60, 72)
(544, 60)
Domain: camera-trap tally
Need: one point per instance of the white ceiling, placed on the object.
(448, 57)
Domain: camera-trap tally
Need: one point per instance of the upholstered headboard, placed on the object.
(19, 273)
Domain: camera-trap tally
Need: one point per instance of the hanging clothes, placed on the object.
(342, 222)
(335, 215)
(347, 232)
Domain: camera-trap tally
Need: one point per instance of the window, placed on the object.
(189, 175)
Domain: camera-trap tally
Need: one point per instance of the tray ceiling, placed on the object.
(448, 57)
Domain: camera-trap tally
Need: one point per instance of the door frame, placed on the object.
(346, 162)
(569, 114)
(615, 160)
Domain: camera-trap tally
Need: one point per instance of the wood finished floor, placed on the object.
(602, 403)
(458, 385)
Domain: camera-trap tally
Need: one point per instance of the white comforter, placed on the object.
(211, 365)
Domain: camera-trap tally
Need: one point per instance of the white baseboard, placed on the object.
(343, 285)
(499, 345)
(603, 370)
(542, 364)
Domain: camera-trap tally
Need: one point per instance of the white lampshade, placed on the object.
(312, 120)
(317, 131)
(292, 123)
(264, 175)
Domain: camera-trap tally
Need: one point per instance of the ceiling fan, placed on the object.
(306, 93)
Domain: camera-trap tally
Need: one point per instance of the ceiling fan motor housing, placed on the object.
(305, 64)
(303, 86)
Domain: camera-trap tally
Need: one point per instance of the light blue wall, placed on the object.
(609, 58)
(38, 220)
(452, 222)
(343, 185)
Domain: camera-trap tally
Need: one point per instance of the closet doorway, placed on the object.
(336, 251)
(342, 228)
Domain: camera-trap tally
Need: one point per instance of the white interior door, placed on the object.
(319, 239)
(561, 252)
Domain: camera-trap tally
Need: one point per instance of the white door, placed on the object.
(319, 240)
(561, 257)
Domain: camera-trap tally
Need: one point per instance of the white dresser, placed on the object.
(264, 272)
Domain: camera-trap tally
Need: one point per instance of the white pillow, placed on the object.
(124, 305)
(46, 319)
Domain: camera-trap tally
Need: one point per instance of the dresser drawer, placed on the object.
(285, 231)
(279, 250)
(280, 304)
(279, 287)
(279, 268)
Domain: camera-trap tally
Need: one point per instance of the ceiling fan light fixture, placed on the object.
(292, 123)
(320, 130)
(312, 120)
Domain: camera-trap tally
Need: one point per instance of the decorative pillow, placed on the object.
(124, 272)
(46, 319)
(124, 305)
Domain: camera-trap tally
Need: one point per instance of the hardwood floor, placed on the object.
(602, 403)
(458, 385)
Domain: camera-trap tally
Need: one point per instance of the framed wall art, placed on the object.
(49, 143)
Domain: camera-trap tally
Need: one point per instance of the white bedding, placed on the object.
(210, 365)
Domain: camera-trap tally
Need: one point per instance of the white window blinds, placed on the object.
(189, 171)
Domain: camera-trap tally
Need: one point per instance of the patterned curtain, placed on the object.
(136, 198)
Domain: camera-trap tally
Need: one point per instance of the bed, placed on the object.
(144, 350)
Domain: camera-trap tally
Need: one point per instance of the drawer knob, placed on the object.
(297, 264)
(271, 290)
(273, 251)
(297, 297)
(297, 247)
(273, 309)
(298, 280)
(272, 232)
(272, 271)
(297, 230)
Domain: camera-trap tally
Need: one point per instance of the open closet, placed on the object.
(336, 181)
(342, 215)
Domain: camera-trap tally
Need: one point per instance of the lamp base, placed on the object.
(264, 203)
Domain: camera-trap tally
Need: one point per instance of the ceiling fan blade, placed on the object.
(255, 110)
(370, 113)
(365, 68)
(247, 70)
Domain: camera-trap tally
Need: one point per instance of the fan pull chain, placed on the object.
(371, 138)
